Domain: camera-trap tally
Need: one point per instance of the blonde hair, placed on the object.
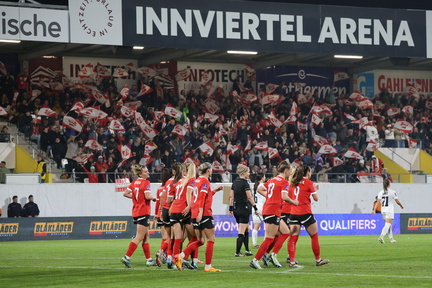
(204, 167)
(190, 169)
(242, 169)
(137, 169)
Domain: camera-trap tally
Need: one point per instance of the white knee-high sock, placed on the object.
(385, 229)
(390, 233)
(254, 237)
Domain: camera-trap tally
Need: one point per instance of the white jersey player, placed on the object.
(259, 200)
(387, 197)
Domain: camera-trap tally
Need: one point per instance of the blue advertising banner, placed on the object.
(322, 81)
(365, 82)
(329, 224)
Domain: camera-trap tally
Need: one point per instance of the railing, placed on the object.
(393, 154)
(109, 177)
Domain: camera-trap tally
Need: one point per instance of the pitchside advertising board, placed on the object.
(59, 228)
(416, 223)
(394, 81)
(306, 79)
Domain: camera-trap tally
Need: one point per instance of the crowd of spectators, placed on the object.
(237, 121)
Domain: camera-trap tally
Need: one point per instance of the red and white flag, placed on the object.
(270, 88)
(124, 92)
(147, 130)
(365, 104)
(250, 71)
(411, 142)
(404, 126)
(180, 131)
(247, 97)
(127, 112)
(273, 153)
(211, 106)
(302, 127)
(77, 106)
(336, 161)
(3, 68)
(391, 111)
(305, 99)
(83, 158)
(211, 117)
(92, 112)
(262, 145)
(131, 104)
(291, 120)
(98, 96)
(173, 112)
(116, 126)
(248, 144)
(125, 152)
(315, 120)
(339, 76)
(158, 115)
(217, 167)
(363, 122)
(86, 71)
(205, 77)
(206, 148)
(92, 144)
(67, 82)
(409, 109)
(352, 153)
(379, 105)
(267, 99)
(149, 147)
(321, 141)
(356, 96)
(183, 74)
(144, 90)
(120, 72)
(130, 66)
(3, 112)
(56, 86)
(45, 111)
(146, 71)
(231, 149)
(351, 118)
(411, 91)
(34, 94)
(145, 160)
(318, 109)
(274, 120)
(72, 123)
(294, 109)
(102, 71)
(372, 146)
(327, 149)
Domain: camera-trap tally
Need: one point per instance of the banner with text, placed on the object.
(416, 223)
(279, 27)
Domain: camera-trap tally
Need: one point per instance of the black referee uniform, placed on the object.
(242, 211)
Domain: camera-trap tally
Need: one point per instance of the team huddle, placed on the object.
(184, 210)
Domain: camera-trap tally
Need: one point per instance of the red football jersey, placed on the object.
(141, 206)
(180, 201)
(275, 187)
(202, 197)
(170, 191)
(303, 193)
(158, 206)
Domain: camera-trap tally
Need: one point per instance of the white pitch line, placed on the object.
(275, 271)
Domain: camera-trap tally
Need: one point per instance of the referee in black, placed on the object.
(241, 204)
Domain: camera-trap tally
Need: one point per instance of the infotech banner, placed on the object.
(322, 81)
(279, 27)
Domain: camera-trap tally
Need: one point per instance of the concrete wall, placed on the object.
(61, 200)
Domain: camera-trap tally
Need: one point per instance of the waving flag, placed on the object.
(273, 153)
(149, 147)
(92, 144)
(411, 91)
(339, 76)
(83, 158)
(124, 92)
(379, 105)
(363, 122)
(120, 72)
(305, 99)
(147, 130)
(173, 112)
(180, 131)
(274, 120)
(98, 96)
(352, 153)
(321, 141)
(127, 112)
(392, 111)
(291, 120)
(3, 68)
(131, 66)
(270, 88)
(294, 109)
(351, 118)
(249, 144)
(315, 120)
(247, 97)
(231, 149)
(336, 161)
(116, 126)
(318, 109)
(102, 71)
(206, 148)
(212, 118)
(250, 71)
(56, 86)
(144, 90)
(92, 112)
(211, 106)
(404, 126)
(125, 152)
(145, 160)
(372, 146)
(45, 111)
(3, 112)
(409, 109)
(302, 127)
(34, 94)
(411, 142)
(146, 71)
(365, 104)
(263, 145)
(86, 71)
(327, 149)
(72, 123)
(78, 105)
(356, 96)
(217, 167)
(183, 74)
(267, 99)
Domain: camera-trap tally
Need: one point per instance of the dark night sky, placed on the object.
(406, 4)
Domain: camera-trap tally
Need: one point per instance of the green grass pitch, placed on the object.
(356, 261)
